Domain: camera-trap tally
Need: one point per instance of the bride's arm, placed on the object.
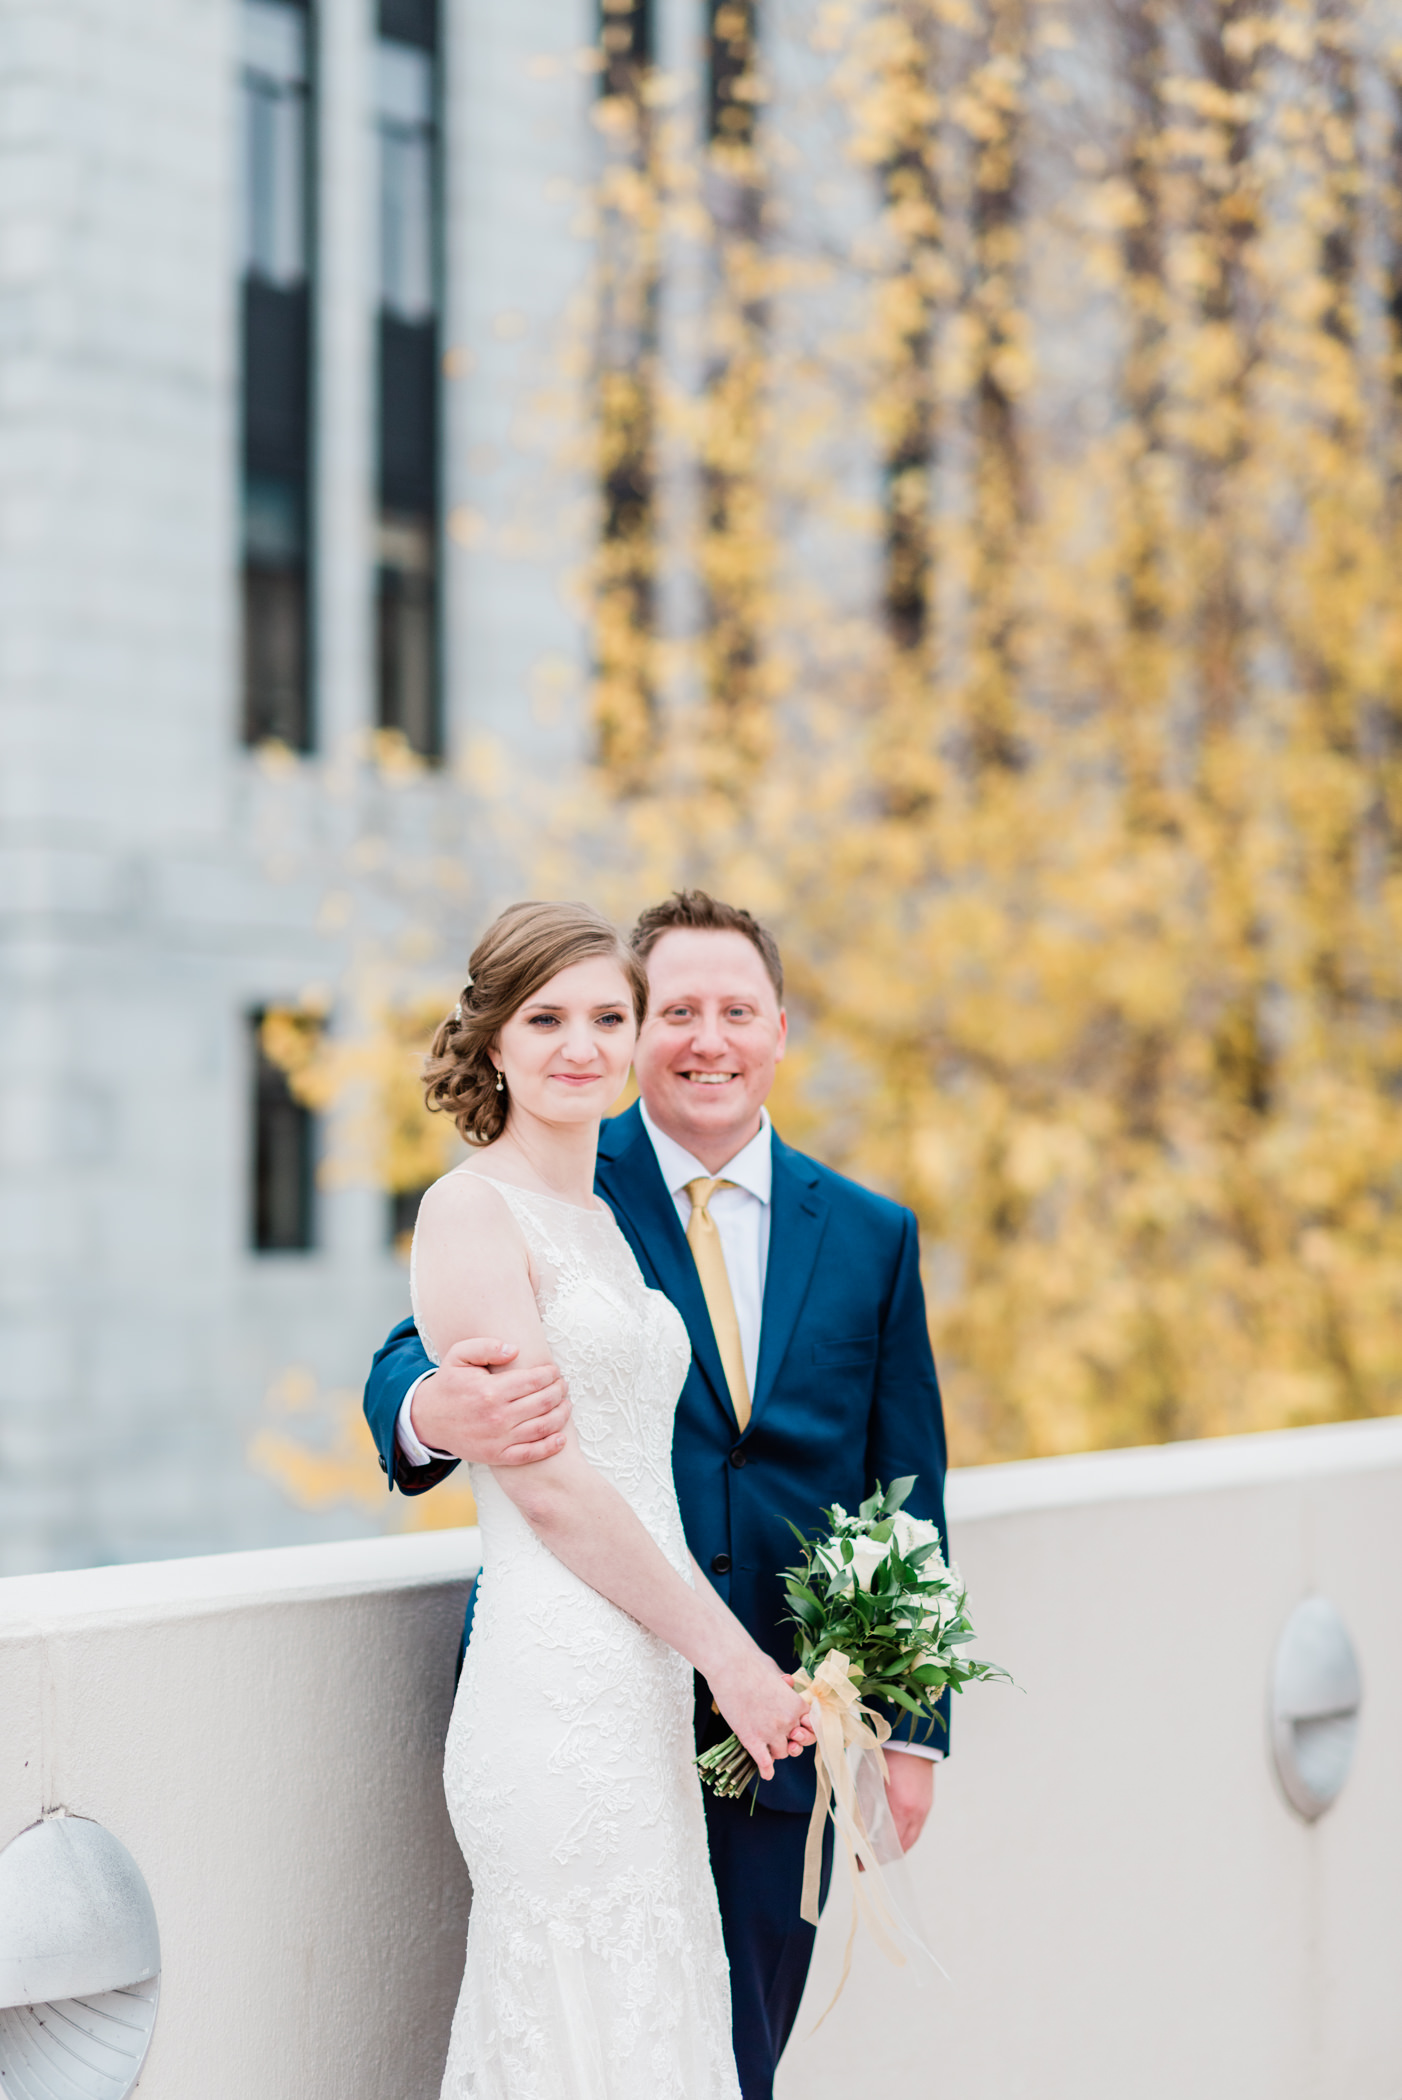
(472, 1276)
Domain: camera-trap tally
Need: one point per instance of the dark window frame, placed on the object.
(729, 59)
(408, 447)
(402, 1211)
(277, 446)
(282, 1156)
(627, 42)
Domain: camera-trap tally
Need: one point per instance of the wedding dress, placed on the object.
(595, 1964)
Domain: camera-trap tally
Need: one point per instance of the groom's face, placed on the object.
(714, 1032)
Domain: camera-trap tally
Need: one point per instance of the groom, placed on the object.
(811, 1379)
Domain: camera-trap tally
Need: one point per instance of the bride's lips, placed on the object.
(577, 1078)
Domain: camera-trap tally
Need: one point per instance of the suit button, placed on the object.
(739, 1457)
(720, 1563)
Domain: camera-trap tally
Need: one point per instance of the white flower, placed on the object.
(839, 1514)
(913, 1532)
(867, 1556)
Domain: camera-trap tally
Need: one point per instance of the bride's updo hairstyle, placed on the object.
(519, 952)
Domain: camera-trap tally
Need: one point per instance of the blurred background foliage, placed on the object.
(998, 589)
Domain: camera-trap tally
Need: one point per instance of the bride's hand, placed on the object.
(762, 1707)
(802, 1733)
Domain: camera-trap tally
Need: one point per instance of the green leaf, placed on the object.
(903, 1698)
(895, 1495)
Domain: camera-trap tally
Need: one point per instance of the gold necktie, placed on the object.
(709, 1256)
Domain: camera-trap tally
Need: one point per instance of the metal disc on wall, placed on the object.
(80, 1961)
(1316, 1693)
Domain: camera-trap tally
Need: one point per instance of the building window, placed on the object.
(626, 40)
(732, 49)
(625, 701)
(406, 102)
(403, 1216)
(284, 1156)
(276, 376)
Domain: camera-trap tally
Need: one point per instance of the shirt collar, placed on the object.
(752, 1167)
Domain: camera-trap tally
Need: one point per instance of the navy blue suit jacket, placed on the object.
(846, 1392)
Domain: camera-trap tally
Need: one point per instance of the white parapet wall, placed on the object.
(1126, 1905)
(264, 1732)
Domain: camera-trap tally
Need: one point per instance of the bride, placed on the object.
(595, 1965)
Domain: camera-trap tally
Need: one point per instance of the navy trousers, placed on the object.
(757, 1861)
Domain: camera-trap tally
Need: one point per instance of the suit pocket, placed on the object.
(857, 1349)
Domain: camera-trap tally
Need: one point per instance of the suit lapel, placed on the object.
(630, 1181)
(797, 1218)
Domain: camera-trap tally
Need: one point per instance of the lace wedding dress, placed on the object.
(595, 1964)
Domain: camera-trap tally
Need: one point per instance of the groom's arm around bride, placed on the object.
(812, 1378)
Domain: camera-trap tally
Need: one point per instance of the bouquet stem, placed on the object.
(728, 1768)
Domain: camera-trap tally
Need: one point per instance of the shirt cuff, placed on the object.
(926, 1750)
(414, 1452)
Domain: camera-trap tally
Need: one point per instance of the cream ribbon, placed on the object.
(841, 1723)
(703, 1238)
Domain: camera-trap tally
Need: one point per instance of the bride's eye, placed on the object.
(611, 1020)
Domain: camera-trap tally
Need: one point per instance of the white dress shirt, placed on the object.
(741, 1215)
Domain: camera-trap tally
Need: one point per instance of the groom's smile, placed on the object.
(714, 1032)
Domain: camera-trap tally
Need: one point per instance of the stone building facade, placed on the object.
(185, 840)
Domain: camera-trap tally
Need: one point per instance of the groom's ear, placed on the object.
(783, 1040)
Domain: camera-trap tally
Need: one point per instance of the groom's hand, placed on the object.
(478, 1409)
(910, 1793)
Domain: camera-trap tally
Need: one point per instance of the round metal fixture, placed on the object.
(1316, 1693)
(80, 1964)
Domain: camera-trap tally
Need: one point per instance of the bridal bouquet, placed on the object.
(880, 1617)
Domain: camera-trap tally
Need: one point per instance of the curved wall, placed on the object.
(1128, 1907)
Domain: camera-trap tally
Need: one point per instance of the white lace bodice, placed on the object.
(595, 1968)
(623, 1348)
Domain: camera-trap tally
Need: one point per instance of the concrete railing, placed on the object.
(264, 1732)
(1126, 1905)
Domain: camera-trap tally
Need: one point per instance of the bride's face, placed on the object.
(566, 1052)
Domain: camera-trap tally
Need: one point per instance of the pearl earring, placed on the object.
(501, 1083)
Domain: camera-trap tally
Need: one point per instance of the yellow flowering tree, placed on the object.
(1043, 683)
(1083, 842)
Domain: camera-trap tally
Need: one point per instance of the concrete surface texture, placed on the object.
(264, 1732)
(1127, 1906)
(1113, 1879)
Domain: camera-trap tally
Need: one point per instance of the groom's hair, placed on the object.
(698, 913)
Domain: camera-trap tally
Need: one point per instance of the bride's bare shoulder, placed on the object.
(471, 1272)
(462, 1201)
